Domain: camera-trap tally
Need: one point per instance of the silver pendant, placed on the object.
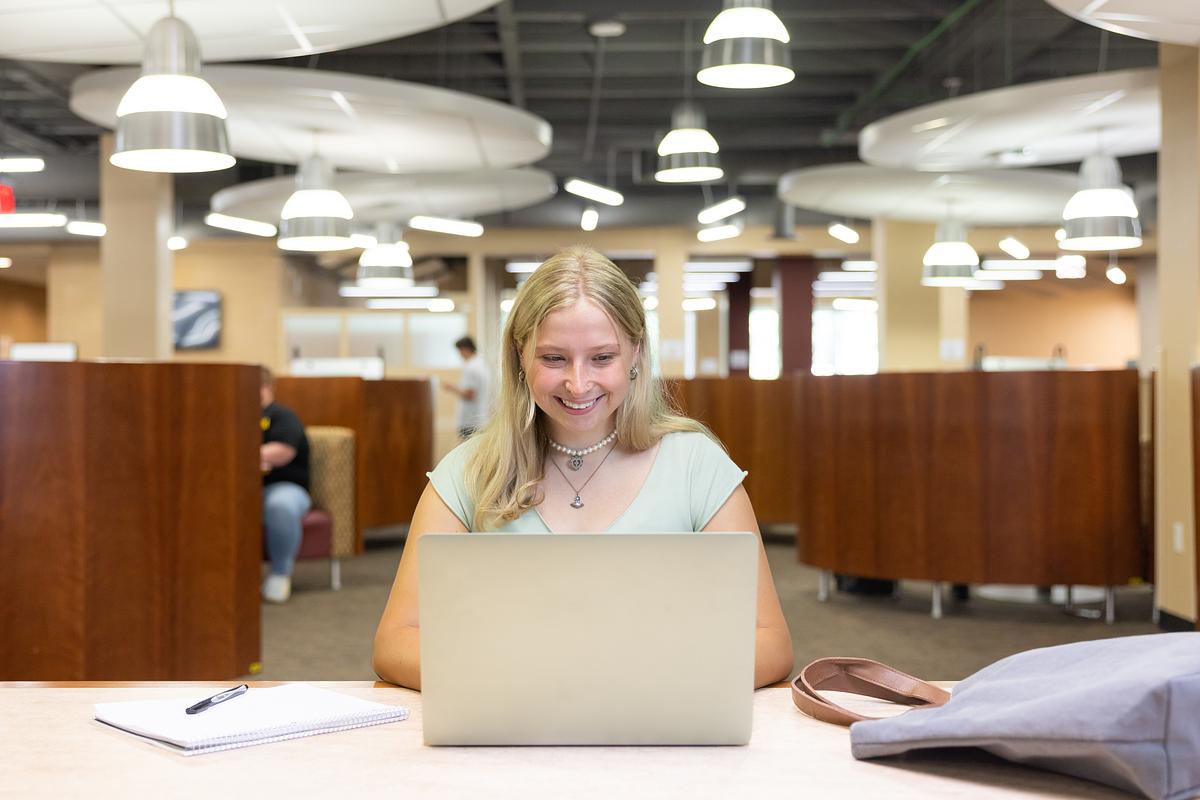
(575, 463)
(576, 503)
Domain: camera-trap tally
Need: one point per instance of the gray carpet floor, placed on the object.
(325, 635)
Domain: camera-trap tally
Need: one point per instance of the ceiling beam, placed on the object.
(506, 25)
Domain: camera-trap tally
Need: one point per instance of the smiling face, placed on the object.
(578, 372)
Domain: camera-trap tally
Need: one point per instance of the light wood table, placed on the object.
(52, 747)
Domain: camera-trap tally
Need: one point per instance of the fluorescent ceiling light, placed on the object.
(521, 267)
(239, 224)
(454, 227)
(745, 47)
(1060, 234)
(589, 218)
(718, 266)
(437, 304)
(721, 277)
(506, 305)
(592, 191)
(983, 285)
(175, 243)
(1014, 247)
(1071, 267)
(22, 164)
(25, 219)
(363, 240)
(846, 277)
(704, 286)
(843, 233)
(720, 210)
(718, 232)
(699, 304)
(1009, 274)
(855, 304)
(5, 263)
(650, 303)
(170, 119)
(764, 292)
(859, 266)
(1116, 275)
(1045, 264)
(826, 289)
(354, 290)
(81, 227)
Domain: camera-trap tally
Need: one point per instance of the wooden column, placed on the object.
(793, 281)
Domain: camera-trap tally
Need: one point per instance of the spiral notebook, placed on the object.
(260, 716)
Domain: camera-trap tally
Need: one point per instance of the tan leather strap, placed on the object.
(858, 676)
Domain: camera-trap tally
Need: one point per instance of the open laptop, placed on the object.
(587, 639)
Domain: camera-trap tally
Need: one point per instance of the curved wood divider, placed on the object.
(130, 521)
(968, 477)
(393, 423)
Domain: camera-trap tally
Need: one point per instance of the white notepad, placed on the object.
(257, 717)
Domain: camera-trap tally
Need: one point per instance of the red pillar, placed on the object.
(794, 277)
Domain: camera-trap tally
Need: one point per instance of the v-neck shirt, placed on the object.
(689, 481)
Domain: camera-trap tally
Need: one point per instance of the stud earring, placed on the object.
(633, 373)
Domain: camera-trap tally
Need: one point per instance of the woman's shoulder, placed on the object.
(692, 444)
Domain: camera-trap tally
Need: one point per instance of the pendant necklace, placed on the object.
(575, 457)
(578, 502)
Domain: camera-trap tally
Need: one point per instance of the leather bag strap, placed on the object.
(858, 676)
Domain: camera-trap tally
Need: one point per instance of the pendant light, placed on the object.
(746, 47)
(688, 153)
(170, 119)
(1102, 214)
(387, 265)
(316, 218)
(950, 260)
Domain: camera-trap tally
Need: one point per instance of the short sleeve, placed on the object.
(449, 481)
(285, 427)
(712, 478)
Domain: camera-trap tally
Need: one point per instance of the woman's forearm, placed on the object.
(773, 658)
(397, 657)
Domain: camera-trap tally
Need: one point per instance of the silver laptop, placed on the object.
(587, 639)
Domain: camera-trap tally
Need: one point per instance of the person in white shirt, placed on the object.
(472, 391)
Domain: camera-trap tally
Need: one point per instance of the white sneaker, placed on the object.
(277, 588)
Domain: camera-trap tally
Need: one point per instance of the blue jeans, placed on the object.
(284, 505)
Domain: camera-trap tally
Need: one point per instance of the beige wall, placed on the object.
(1096, 323)
(22, 312)
(73, 297)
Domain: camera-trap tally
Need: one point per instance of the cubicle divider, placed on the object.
(970, 477)
(130, 521)
(393, 425)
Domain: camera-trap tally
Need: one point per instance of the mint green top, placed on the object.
(690, 480)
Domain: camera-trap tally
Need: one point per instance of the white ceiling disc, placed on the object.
(112, 31)
(995, 197)
(283, 114)
(1049, 122)
(1175, 21)
(396, 198)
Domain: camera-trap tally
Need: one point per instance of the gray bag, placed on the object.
(1125, 712)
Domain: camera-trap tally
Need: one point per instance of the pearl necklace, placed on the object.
(575, 457)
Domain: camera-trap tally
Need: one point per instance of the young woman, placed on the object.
(582, 440)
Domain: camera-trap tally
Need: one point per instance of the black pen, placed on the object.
(218, 698)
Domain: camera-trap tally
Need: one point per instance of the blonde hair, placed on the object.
(509, 458)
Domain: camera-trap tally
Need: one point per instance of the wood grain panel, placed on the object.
(131, 503)
(903, 433)
(957, 546)
(393, 425)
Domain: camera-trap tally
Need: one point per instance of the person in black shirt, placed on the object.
(284, 462)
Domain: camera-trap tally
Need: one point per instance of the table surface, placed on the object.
(52, 746)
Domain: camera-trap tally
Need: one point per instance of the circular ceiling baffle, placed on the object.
(281, 114)
(995, 197)
(396, 198)
(1048, 122)
(113, 31)
(1175, 21)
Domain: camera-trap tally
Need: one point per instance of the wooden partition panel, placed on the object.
(972, 477)
(751, 419)
(130, 521)
(393, 425)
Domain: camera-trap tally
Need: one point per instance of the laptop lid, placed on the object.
(601, 639)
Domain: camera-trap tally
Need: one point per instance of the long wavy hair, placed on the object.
(509, 458)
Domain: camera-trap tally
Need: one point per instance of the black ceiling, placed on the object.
(609, 100)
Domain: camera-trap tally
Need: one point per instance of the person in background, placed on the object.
(472, 391)
(284, 462)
